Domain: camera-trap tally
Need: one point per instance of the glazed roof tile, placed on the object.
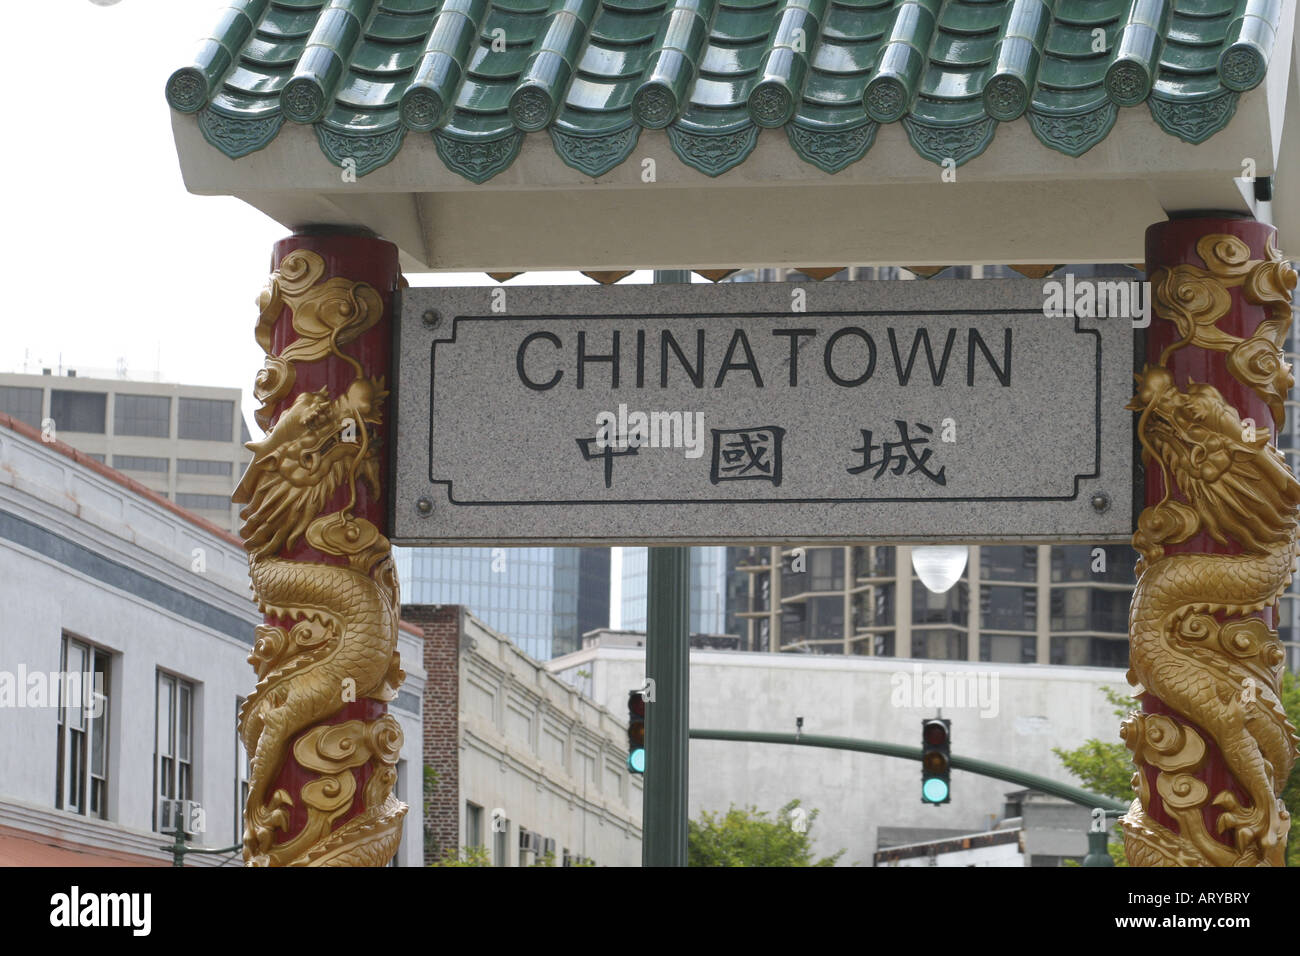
(478, 75)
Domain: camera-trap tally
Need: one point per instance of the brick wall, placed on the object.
(442, 625)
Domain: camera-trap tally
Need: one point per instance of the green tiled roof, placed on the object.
(477, 75)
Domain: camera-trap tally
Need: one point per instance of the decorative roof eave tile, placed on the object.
(478, 75)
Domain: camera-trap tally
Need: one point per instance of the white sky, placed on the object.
(110, 259)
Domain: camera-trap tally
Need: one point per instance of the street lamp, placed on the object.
(939, 567)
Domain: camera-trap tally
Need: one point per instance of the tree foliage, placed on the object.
(748, 836)
(1107, 767)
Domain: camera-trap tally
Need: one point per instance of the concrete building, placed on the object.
(1035, 830)
(1012, 714)
(1046, 604)
(525, 765)
(101, 575)
(185, 442)
(544, 598)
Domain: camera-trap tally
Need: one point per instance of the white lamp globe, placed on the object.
(940, 567)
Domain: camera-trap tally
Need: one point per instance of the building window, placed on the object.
(999, 563)
(1113, 564)
(473, 825)
(1090, 609)
(242, 770)
(96, 457)
(1008, 607)
(206, 419)
(141, 463)
(1008, 648)
(78, 411)
(149, 416)
(81, 779)
(200, 466)
(947, 608)
(1085, 651)
(939, 644)
(23, 404)
(173, 742)
(203, 502)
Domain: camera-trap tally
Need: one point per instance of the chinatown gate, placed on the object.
(605, 136)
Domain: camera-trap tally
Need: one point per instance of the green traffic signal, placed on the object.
(636, 760)
(934, 790)
(935, 760)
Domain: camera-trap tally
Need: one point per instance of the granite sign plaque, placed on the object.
(759, 412)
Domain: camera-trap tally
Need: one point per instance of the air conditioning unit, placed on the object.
(530, 841)
(185, 815)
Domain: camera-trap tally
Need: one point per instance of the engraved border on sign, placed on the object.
(649, 316)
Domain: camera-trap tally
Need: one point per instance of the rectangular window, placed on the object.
(473, 825)
(81, 778)
(23, 404)
(78, 411)
(173, 742)
(203, 502)
(147, 415)
(206, 419)
(200, 466)
(242, 770)
(1008, 648)
(141, 463)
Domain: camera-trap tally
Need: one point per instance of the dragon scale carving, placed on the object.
(331, 632)
(1195, 644)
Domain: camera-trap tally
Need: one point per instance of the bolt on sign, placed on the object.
(747, 412)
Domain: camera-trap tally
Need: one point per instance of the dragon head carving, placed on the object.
(1235, 484)
(315, 446)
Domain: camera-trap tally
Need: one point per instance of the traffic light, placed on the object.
(635, 732)
(936, 736)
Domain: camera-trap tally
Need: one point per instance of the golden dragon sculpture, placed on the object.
(1194, 643)
(331, 635)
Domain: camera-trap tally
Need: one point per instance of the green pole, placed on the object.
(667, 715)
(985, 768)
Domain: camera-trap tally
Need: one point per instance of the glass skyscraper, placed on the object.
(543, 599)
(708, 589)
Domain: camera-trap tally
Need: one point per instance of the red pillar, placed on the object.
(1218, 540)
(323, 748)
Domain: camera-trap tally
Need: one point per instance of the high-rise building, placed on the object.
(1038, 603)
(185, 442)
(708, 589)
(544, 598)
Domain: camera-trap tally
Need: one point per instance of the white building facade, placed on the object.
(99, 575)
(1005, 713)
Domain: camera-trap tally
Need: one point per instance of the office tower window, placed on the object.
(78, 411)
(206, 419)
(951, 607)
(147, 415)
(1008, 608)
(1008, 648)
(200, 466)
(96, 457)
(243, 769)
(1090, 609)
(140, 463)
(1094, 563)
(939, 644)
(1089, 651)
(23, 404)
(825, 569)
(1009, 564)
(203, 502)
(173, 742)
(81, 776)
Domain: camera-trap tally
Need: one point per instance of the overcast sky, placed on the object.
(111, 260)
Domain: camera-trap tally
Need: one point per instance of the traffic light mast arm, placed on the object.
(984, 768)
